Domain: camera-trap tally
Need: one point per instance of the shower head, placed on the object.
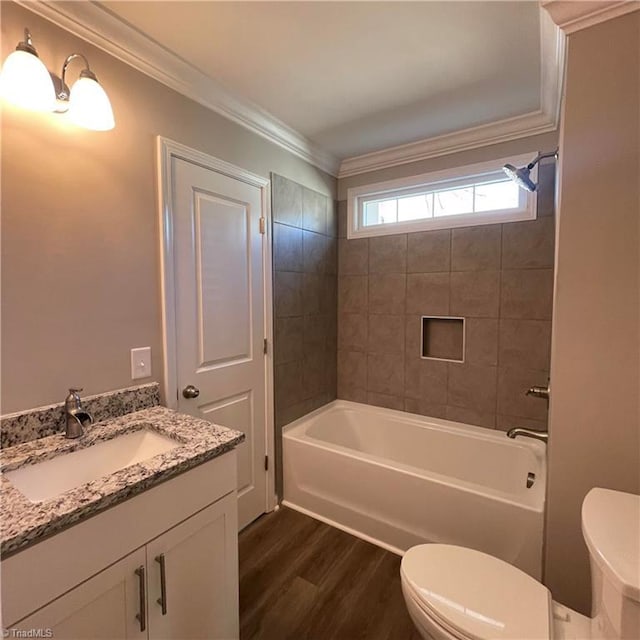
(522, 176)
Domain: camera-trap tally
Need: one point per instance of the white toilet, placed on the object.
(454, 593)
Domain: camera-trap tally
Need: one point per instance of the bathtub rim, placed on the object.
(537, 448)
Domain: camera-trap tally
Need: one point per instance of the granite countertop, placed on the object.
(23, 523)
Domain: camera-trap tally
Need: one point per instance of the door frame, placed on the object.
(166, 149)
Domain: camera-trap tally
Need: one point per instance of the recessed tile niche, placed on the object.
(442, 338)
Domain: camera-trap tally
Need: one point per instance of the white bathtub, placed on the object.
(398, 479)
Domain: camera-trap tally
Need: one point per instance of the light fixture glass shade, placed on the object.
(25, 81)
(89, 106)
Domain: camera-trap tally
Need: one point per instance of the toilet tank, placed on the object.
(611, 529)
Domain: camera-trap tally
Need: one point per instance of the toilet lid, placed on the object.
(476, 596)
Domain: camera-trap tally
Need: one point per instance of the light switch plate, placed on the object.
(140, 362)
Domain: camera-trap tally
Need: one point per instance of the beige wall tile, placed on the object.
(387, 293)
(314, 293)
(314, 374)
(352, 331)
(476, 248)
(288, 339)
(385, 373)
(315, 252)
(315, 332)
(481, 341)
(527, 293)
(413, 333)
(475, 294)
(471, 416)
(386, 401)
(331, 266)
(352, 371)
(314, 211)
(528, 245)
(472, 386)
(329, 295)
(353, 256)
(504, 423)
(332, 218)
(429, 251)
(287, 201)
(388, 254)
(332, 375)
(386, 333)
(342, 218)
(428, 294)
(513, 383)
(525, 343)
(289, 414)
(546, 188)
(424, 408)
(352, 394)
(288, 384)
(287, 248)
(353, 294)
(288, 293)
(426, 379)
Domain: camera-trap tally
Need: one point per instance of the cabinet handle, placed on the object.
(162, 600)
(142, 616)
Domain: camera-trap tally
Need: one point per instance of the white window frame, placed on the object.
(436, 180)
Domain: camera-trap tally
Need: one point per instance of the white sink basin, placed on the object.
(50, 478)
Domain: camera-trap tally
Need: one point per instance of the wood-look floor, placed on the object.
(302, 579)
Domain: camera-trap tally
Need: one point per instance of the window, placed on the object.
(467, 196)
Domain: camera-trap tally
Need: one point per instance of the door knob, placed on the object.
(190, 391)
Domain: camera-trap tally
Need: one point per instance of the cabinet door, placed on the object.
(102, 608)
(200, 559)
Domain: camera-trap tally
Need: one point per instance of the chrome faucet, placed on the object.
(529, 433)
(77, 417)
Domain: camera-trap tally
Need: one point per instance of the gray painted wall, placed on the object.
(80, 222)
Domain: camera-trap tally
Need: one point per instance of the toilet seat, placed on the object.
(474, 596)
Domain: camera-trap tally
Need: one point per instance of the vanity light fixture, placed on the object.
(24, 79)
(26, 82)
(87, 102)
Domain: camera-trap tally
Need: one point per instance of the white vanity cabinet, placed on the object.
(181, 583)
(102, 608)
(200, 577)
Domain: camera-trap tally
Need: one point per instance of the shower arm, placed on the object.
(542, 156)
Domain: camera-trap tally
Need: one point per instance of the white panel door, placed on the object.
(220, 314)
(105, 607)
(198, 561)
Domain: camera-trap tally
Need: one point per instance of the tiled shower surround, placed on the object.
(305, 303)
(498, 277)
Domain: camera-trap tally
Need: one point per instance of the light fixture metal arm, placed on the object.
(63, 93)
(27, 43)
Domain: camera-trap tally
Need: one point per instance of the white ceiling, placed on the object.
(356, 77)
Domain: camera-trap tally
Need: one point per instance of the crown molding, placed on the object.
(96, 25)
(544, 120)
(104, 30)
(529, 124)
(572, 16)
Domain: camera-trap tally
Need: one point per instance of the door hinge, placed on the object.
(265, 346)
(263, 225)
(266, 463)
